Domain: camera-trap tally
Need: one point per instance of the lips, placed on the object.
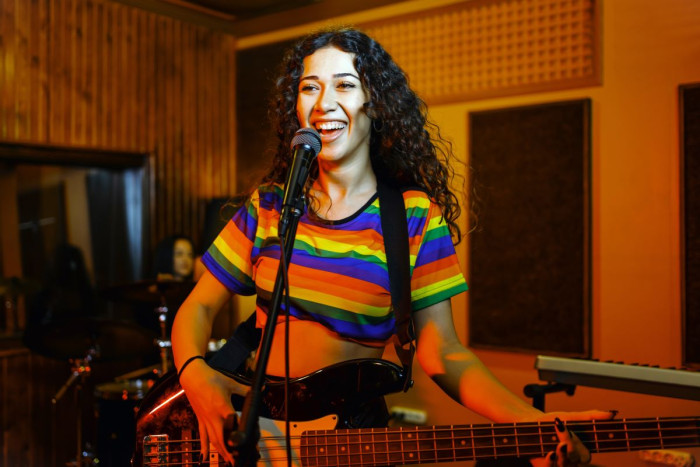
(330, 130)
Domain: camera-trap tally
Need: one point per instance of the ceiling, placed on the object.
(246, 9)
(251, 17)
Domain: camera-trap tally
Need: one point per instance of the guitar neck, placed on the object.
(419, 445)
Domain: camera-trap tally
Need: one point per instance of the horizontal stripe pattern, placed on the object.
(338, 274)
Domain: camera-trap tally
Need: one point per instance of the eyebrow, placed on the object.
(337, 75)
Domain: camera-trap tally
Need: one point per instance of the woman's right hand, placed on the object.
(209, 393)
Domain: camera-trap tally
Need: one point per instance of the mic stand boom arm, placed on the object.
(243, 442)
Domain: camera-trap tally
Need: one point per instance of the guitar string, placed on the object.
(604, 445)
(546, 446)
(385, 458)
(692, 431)
(689, 423)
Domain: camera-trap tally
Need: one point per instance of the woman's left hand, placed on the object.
(570, 451)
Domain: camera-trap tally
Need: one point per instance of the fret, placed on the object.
(366, 448)
(444, 444)
(308, 448)
(595, 436)
(612, 437)
(463, 442)
(681, 432)
(340, 450)
(381, 445)
(493, 442)
(343, 449)
(395, 447)
(504, 441)
(420, 445)
(426, 444)
(644, 434)
(483, 441)
(528, 440)
(330, 449)
(354, 449)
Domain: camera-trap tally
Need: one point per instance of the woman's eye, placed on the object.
(346, 84)
(307, 87)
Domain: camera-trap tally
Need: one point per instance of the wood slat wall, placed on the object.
(93, 73)
(103, 75)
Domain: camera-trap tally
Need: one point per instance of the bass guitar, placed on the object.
(321, 406)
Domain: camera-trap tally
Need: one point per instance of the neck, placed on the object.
(342, 191)
(339, 182)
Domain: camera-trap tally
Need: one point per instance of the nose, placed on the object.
(327, 100)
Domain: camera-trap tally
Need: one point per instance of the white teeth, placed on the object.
(330, 125)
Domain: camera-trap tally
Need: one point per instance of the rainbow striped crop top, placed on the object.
(338, 273)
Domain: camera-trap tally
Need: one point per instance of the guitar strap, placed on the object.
(392, 212)
(395, 230)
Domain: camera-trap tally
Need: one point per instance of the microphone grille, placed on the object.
(309, 137)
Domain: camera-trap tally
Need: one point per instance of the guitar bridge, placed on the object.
(155, 450)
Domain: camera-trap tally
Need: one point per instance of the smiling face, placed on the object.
(331, 99)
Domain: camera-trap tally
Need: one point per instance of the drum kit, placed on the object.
(87, 342)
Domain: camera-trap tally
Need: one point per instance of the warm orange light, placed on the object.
(167, 401)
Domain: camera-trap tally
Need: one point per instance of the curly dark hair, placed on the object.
(406, 149)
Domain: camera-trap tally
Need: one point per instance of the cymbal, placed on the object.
(153, 292)
(113, 340)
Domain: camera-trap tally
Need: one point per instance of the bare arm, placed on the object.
(460, 373)
(208, 391)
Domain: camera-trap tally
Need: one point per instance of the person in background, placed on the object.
(373, 128)
(174, 259)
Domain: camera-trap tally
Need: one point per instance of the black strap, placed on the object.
(395, 230)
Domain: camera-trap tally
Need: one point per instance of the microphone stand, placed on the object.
(243, 442)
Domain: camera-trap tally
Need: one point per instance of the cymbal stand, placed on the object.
(163, 343)
(80, 371)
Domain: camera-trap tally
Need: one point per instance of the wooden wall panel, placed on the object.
(92, 73)
(103, 75)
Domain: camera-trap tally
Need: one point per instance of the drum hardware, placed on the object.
(80, 372)
(158, 293)
(152, 370)
(117, 404)
(150, 292)
(163, 343)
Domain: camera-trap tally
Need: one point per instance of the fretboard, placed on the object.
(418, 445)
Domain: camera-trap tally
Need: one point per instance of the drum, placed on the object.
(117, 404)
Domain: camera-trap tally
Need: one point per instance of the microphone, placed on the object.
(306, 145)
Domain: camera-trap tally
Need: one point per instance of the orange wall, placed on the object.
(649, 48)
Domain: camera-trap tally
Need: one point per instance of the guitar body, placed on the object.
(327, 399)
(325, 431)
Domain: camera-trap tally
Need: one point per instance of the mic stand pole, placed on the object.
(243, 443)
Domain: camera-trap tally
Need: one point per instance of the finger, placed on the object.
(564, 448)
(568, 456)
(203, 440)
(571, 451)
(217, 439)
(584, 455)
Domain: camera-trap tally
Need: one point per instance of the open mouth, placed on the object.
(330, 128)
